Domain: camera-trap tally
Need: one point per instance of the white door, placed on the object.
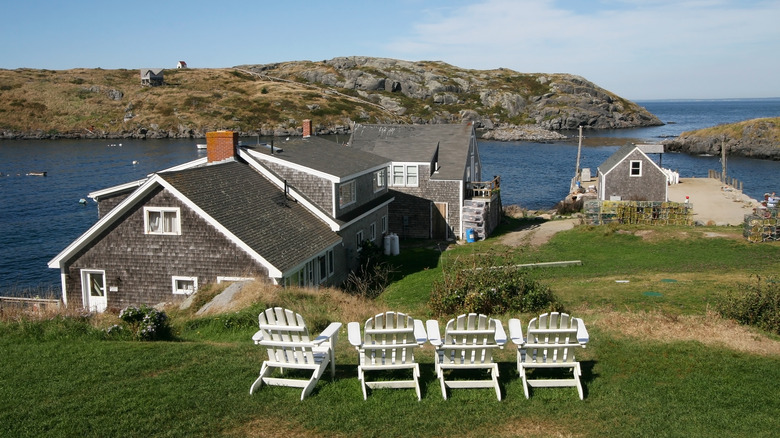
(93, 285)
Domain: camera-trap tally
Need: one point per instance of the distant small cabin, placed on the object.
(181, 64)
(151, 76)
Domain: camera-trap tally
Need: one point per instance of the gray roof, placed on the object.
(616, 158)
(418, 143)
(254, 210)
(324, 156)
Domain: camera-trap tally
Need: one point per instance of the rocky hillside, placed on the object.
(273, 99)
(758, 138)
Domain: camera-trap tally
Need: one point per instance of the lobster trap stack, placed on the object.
(762, 225)
(638, 212)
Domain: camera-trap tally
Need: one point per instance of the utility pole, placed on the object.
(579, 149)
(723, 157)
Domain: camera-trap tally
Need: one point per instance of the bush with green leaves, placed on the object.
(146, 323)
(755, 303)
(466, 288)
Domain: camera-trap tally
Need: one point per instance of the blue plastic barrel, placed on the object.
(470, 235)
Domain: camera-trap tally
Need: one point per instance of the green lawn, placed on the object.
(63, 378)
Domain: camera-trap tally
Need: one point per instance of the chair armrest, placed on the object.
(329, 332)
(500, 333)
(419, 332)
(257, 337)
(582, 333)
(434, 335)
(516, 331)
(353, 332)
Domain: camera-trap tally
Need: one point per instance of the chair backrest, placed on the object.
(389, 336)
(285, 336)
(470, 338)
(552, 337)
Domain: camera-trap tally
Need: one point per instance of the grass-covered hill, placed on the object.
(274, 99)
(757, 138)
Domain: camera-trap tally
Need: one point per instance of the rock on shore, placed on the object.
(758, 138)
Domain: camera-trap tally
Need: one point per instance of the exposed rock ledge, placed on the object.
(523, 133)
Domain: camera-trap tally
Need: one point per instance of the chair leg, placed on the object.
(577, 373)
(264, 372)
(443, 386)
(416, 376)
(525, 380)
(309, 387)
(494, 373)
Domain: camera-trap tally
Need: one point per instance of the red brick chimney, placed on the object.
(221, 145)
(306, 128)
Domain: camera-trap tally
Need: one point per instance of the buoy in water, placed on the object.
(135, 162)
(83, 201)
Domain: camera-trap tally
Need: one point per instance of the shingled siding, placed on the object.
(414, 204)
(106, 204)
(651, 186)
(141, 266)
(319, 190)
(364, 192)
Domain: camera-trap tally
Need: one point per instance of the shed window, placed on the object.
(636, 168)
(162, 220)
(185, 285)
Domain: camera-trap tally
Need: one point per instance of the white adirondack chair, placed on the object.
(469, 341)
(550, 343)
(284, 335)
(388, 343)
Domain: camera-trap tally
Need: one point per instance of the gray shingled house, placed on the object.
(630, 175)
(436, 179)
(294, 216)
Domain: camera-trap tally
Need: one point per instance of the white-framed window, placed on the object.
(405, 175)
(184, 285)
(359, 240)
(372, 231)
(411, 176)
(379, 180)
(384, 224)
(162, 220)
(636, 168)
(346, 193)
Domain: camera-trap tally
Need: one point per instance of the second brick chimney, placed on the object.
(306, 128)
(221, 145)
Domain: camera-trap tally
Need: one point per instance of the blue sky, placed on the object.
(639, 49)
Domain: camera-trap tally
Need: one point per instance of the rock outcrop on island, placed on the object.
(757, 138)
(274, 99)
(436, 92)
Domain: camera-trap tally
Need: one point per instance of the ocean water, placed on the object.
(40, 216)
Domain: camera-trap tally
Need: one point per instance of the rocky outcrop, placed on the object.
(758, 138)
(430, 92)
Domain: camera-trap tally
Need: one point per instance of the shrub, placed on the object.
(373, 274)
(755, 303)
(146, 323)
(488, 290)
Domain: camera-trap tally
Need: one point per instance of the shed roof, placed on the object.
(255, 211)
(419, 143)
(616, 158)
